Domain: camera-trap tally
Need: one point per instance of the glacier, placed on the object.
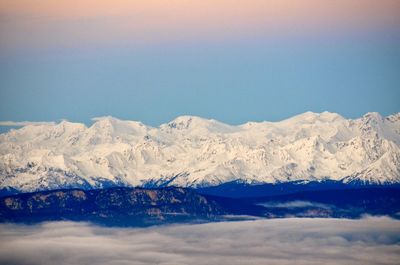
(195, 152)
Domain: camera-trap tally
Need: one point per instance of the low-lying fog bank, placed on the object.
(370, 240)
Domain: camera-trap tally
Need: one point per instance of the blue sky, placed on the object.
(233, 79)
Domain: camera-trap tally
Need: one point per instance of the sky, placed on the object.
(372, 240)
(234, 61)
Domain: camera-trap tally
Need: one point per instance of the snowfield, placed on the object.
(195, 152)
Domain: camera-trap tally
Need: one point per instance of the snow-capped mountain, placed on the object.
(195, 152)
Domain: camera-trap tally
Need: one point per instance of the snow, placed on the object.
(193, 151)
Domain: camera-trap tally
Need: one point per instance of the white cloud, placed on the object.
(277, 241)
(25, 123)
(102, 118)
(294, 204)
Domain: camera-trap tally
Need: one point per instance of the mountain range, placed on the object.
(114, 206)
(126, 206)
(198, 153)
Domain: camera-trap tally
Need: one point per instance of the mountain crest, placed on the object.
(191, 151)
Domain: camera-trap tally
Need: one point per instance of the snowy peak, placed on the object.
(193, 151)
(372, 116)
(312, 117)
(119, 126)
(371, 121)
(194, 124)
(394, 118)
(187, 122)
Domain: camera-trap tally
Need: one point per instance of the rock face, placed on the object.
(114, 206)
(195, 152)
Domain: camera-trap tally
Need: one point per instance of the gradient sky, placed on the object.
(234, 61)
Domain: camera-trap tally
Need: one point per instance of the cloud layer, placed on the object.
(24, 123)
(308, 241)
(294, 204)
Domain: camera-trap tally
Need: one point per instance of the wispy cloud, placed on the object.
(102, 118)
(294, 204)
(279, 241)
(25, 123)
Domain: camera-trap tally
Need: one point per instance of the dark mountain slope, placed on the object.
(142, 207)
(113, 206)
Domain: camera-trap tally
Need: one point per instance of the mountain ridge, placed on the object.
(112, 206)
(127, 206)
(191, 151)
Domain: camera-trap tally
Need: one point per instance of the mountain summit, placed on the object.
(195, 152)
